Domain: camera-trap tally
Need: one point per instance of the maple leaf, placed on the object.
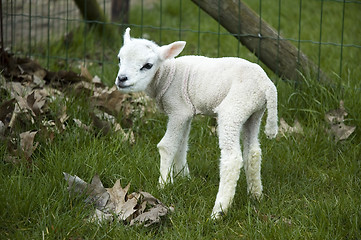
(75, 183)
(35, 102)
(284, 128)
(116, 204)
(97, 193)
(336, 119)
(84, 72)
(80, 124)
(111, 101)
(119, 202)
(154, 214)
(95, 190)
(27, 146)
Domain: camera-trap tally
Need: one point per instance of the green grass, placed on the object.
(311, 183)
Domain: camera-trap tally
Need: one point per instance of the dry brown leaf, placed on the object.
(336, 119)
(97, 193)
(102, 126)
(116, 204)
(36, 102)
(342, 131)
(154, 214)
(6, 108)
(119, 201)
(284, 128)
(100, 217)
(27, 146)
(109, 101)
(6, 112)
(150, 217)
(82, 125)
(84, 72)
(62, 116)
(38, 78)
(75, 183)
(96, 80)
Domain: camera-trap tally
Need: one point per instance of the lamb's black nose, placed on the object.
(122, 78)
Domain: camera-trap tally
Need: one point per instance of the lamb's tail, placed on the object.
(271, 128)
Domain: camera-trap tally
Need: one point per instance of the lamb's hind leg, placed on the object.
(252, 154)
(230, 162)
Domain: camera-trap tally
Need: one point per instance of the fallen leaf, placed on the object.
(336, 119)
(84, 72)
(27, 143)
(6, 108)
(96, 192)
(96, 80)
(284, 128)
(100, 217)
(342, 131)
(6, 113)
(151, 217)
(102, 126)
(110, 101)
(337, 115)
(36, 102)
(75, 183)
(116, 204)
(62, 116)
(119, 201)
(80, 124)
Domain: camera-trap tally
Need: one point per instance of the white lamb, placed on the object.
(233, 89)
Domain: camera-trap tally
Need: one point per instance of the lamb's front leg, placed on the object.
(177, 128)
(180, 160)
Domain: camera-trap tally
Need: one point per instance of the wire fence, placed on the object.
(328, 31)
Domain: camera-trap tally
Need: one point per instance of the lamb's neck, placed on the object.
(162, 79)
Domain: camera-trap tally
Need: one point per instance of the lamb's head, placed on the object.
(140, 59)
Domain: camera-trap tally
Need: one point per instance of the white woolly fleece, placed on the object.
(235, 90)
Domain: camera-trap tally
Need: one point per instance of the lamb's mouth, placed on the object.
(120, 86)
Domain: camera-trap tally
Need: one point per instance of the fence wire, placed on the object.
(31, 27)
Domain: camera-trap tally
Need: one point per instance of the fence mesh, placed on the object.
(54, 31)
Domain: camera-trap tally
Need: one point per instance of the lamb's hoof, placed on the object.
(257, 196)
(217, 215)
(163, 184)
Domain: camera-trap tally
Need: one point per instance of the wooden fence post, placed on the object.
(259, 37)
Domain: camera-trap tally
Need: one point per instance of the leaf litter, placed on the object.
(27, 89)
(116, 204)
(336, 120)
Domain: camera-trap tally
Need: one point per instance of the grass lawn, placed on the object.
(312, 183)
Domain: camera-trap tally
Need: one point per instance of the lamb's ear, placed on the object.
(171, 50)
(126, 36)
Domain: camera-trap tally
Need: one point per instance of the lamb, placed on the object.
(234, 90)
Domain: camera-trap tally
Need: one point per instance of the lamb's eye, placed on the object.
(119, 60)
(147, 66)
